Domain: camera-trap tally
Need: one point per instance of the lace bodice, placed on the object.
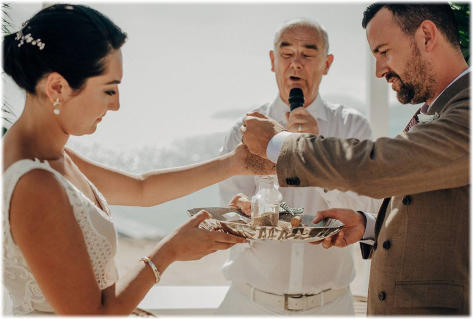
(97, 228)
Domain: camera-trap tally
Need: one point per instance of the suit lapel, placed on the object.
(381, 216)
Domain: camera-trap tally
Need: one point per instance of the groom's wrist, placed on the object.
(275, 144)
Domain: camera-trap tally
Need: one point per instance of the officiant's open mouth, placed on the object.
(295, 78)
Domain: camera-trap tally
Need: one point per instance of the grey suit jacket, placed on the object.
(420, 262)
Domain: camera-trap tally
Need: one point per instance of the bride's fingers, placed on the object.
(222, 246)
(228, 238)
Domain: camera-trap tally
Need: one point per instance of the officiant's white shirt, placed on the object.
(292, 268)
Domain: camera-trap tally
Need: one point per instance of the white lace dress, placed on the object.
(97, 228)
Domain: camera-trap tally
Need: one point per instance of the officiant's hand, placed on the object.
(189, 242)
(247, 163)
(300, 121)
(352, 231)
(241, 202)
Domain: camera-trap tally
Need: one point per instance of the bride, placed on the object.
(58, 233)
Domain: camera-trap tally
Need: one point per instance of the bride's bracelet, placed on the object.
(153, 267)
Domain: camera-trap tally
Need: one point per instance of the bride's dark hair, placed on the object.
(69, 39)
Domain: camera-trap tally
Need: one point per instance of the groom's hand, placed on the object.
(257, 130)
(352, 231)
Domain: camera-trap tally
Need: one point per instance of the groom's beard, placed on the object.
(416, 84)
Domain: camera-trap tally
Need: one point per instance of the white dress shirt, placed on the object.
(291, 268)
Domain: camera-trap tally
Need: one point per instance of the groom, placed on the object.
(419, 243)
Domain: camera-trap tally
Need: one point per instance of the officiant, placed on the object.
(285, 277)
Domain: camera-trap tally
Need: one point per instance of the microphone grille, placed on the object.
(296, 98)
(296, 92)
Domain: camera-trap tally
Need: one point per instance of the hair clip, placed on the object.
(29, 39)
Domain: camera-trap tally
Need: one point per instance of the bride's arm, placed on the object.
(43, 226)
(162, 185)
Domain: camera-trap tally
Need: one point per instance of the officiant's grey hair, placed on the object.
(301, 23)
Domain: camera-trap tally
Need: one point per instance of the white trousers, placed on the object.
(236, 303)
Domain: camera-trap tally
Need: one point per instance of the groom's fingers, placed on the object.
(337, 240)
(327, 242)
(335, 213)
(340, 240)
(316, 242)
(321, 214)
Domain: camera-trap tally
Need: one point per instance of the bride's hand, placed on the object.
(246, 163)
(189, 242)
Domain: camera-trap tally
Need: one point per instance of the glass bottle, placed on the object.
(265, 203)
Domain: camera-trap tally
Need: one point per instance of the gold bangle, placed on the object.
(153, 267)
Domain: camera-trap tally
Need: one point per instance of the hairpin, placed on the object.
(29, 39)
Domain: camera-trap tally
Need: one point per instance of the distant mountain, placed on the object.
(232, 114)
(346, 100)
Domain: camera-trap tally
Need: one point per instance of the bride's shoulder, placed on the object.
(38, 185)
(37, 197)
(27, 180)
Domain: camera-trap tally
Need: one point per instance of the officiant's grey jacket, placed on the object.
(420, 261)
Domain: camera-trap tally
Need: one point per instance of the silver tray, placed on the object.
(233, 221)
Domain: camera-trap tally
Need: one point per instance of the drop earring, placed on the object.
(56, 110)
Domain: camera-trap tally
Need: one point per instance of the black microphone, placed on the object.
(296, 98)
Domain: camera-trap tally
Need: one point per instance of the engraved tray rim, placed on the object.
(264, 233)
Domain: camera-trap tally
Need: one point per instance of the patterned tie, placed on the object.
(414, 120)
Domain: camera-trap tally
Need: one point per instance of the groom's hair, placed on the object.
(410, 16)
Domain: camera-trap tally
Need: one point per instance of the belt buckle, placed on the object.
(295, 296)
